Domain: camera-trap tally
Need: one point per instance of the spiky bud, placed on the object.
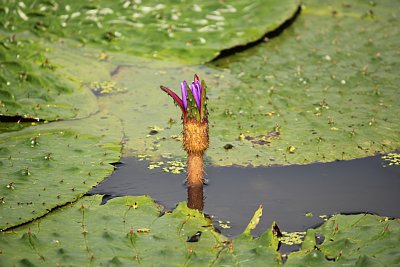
(195, 137)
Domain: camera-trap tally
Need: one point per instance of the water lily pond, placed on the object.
(300, 108)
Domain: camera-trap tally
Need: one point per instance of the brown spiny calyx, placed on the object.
(195, 136)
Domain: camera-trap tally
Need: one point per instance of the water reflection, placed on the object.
(195, 197)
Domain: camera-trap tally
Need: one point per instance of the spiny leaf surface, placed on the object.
(125, 231)
(43, 168)
(188, 31)
(32, 87)
(351, 240)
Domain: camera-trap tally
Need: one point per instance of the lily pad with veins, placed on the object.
(188, 31)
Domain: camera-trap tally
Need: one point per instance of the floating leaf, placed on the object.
(254, 221)
(290, 76)
(292, 85)
(351, 240)
(331, 81)
(191, 31)
(43, 168)
(31, 87)
(116, 232)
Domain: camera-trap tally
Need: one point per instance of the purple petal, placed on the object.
(195, 91)
(184, 93)
(200, 90)
(196, 81)
(174, 96)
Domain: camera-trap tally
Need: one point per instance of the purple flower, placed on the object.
(196, 89)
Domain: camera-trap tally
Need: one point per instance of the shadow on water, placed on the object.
(287, 193)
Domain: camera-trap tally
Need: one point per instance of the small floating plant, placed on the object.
(195, 126)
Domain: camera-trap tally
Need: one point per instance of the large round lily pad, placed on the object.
(32, 87)
(354, 240)
(129, 231)
(325, 90)
(188, 31)
(289, 101)
(43, 168)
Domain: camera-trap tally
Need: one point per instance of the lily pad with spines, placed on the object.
(43, 168)
(351, 240)
(128, 231)
(325, 90)
(289, 101)
(32, 87)
(188, 31)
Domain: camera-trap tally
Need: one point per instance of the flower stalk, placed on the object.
(195, 126)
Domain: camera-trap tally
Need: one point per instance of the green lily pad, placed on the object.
(14, 126)
(129, 230)
(125, 231)
(245, 250)
(289, 101)
(46, 166)
(189, 31)
(325, 90)
(32, 87)
(138, 106)
(292, 124)
(351, 240)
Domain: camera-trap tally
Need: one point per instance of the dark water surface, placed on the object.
(287, 193)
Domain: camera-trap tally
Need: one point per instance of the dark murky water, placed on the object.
(287, 193)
